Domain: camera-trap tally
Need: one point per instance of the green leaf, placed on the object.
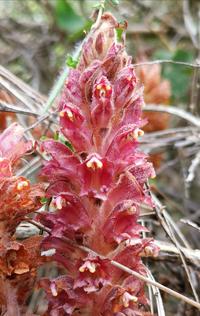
(56, 135)
(64, 141)
(66, 18)
(119, 32)
(43, 200)
(69, 145)
(153, 181)
(43, 138)
(72, 63)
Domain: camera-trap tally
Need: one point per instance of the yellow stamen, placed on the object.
(22, 184)
(92, 267)
(70, 114)
(131, 210)
(140, 132)
(88, 266)
(94, 163)
(135, 134)
(127, 298)
(82, 269)
(108, 87)
(62, 114)
(99, 86)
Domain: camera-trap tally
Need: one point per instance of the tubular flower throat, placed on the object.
(98, 184)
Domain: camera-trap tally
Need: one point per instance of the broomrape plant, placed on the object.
(97, 184)
(18, 259)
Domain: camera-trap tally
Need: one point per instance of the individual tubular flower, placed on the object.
(93, 274)
(102, 105)
(123, 300)
(63, 298)
(96, 173)
(98, 184)
(18, 259)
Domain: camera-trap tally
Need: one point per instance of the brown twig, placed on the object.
(174, 111)
(5, 107)
(167, 61)
(181, 253)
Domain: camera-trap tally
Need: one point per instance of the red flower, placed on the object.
(71, 217)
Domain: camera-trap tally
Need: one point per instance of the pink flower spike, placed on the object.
(98, 186)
